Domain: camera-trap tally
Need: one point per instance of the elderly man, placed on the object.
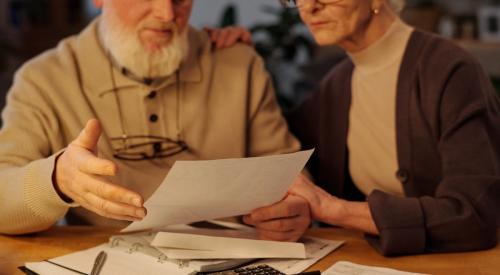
(155, 91)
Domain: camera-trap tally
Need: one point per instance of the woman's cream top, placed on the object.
(371, 137)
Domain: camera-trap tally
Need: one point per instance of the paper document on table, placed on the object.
(192, 246)
(348, 268)
(204, 190)
(316, 249)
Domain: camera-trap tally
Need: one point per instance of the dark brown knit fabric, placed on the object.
(448, 149)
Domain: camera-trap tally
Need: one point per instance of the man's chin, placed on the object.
(153, 47)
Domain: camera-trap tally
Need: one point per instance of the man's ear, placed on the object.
(98, 3)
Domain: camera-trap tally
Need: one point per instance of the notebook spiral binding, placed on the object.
(140, 244)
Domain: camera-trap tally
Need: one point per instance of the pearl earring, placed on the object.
(376, 11)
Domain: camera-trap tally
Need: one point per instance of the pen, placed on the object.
(316, 272)
(65, 267)
(98, 263)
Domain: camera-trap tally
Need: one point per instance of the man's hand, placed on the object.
(79, 175)
(286, 220)
(227, 37)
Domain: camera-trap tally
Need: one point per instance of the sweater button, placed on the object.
(153, 118)
(157, 147)
(403, 175)
(152, 95)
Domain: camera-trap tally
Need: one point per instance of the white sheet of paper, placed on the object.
(192, 246)
(348, 268)
(204, 190)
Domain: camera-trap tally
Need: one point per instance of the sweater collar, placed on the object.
(384, 52)
(96, 68)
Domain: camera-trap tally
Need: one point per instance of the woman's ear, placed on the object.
(377, 4)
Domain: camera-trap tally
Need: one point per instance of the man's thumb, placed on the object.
(89, 136)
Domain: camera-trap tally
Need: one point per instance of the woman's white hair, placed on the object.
(397, 5)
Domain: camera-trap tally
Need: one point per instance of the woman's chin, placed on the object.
(326, 39)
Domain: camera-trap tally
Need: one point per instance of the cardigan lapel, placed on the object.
(405, 89)
(334, 139)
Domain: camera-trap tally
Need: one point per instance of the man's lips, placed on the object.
(160, 32)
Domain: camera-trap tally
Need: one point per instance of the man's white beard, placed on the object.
(126, 48)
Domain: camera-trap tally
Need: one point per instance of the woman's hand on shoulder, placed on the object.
(228, 36)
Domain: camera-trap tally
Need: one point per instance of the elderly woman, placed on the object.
(411, 121)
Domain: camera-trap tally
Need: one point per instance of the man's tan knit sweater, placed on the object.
(226, 109)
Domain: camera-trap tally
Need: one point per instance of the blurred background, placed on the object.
(28, 27)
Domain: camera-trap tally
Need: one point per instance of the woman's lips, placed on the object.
(319, 24)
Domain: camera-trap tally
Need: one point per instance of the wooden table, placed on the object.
(14, 251)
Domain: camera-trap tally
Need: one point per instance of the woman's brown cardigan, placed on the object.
(448, 150)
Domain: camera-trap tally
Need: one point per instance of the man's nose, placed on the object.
(164, 10)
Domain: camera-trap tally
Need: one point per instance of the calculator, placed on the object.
(262, 269)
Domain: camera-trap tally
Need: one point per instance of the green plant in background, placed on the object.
(284, 45)
(229, 17)
(281, 42)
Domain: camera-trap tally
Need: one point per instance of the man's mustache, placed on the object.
(161, 26)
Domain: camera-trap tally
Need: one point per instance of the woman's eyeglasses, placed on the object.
(146, 147)
(297, 4)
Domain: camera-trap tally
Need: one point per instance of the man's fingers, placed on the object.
(290, 236)
(89, 136)
(84, 203)
(280, 225)
(114, 210)
(289, 207)
(109, 191)
(107, 208)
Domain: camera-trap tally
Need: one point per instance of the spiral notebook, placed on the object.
(133, 254)
(130, 254)
(141, 243)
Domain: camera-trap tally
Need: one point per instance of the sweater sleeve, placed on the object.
(268, 133)
(28, 153)
(461, 214)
